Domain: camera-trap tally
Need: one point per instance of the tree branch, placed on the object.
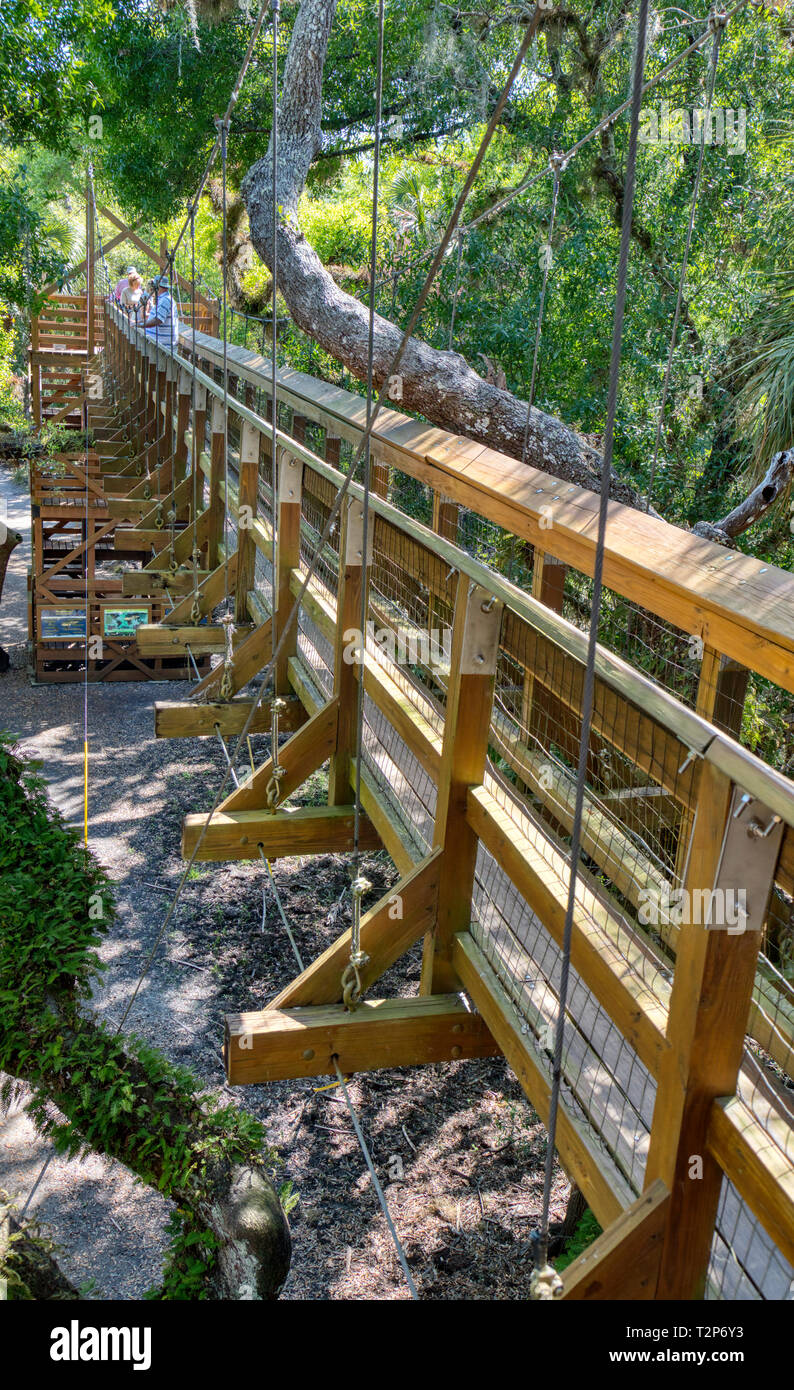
(778, 477)
(439, 385)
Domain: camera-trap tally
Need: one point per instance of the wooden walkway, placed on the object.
(626, 1125)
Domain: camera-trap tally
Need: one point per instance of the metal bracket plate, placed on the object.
(290, 478)
(354, 541)
(481, 633)
(746, 870)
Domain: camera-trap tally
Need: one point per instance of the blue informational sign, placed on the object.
(123, 622)
(62, 622)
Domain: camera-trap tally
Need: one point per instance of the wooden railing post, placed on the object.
(445, 517)
(286, 559)
(183, 403)
(333, 449)
(348, 621)
(248, 487)
(709, 1008)
(379, 477)
(217, 470)
(722, 687)
(537, 708)
(467, 722)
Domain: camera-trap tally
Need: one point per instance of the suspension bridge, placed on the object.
(600, 870)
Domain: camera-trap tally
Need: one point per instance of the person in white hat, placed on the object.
(162, 323)
(124, 283)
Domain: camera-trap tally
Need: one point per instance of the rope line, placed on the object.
(376, 1183)
(223, 133)
(635, 100)
(367, 463)
(274, 465)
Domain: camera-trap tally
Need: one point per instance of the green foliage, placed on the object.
(339, 224)
(31, 248)
(117, 1095)
(765, 404)
(46, 85)
(586, 1232)
(60, 439)
(11, 412)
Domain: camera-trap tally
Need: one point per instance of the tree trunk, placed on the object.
(439, 385)
(236, 1202)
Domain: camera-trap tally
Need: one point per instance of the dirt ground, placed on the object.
(457, 1148)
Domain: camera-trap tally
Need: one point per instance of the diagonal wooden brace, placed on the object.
(388, 930)
(300, 756)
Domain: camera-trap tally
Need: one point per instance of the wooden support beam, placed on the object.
(467, 723)
(352, 578)
(283, 834)
(277, 1044)
(183, 719)
(622, 1265)
(154, 640)
(388, 930)
(709, 1009)
(211, 591)
(140, 540)
(158, 581)
(247, 496)
(583, 1158)
(300, 756)
(249, 657)
(194, 534)
(288, 536)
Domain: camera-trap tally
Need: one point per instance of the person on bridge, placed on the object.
(123, 283)
(161, 322)
(132, 294)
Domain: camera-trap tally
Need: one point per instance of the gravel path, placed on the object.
(469, 1149)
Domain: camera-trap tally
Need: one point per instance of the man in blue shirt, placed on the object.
(162, 323)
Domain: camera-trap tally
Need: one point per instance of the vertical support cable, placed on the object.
(273, 363)
(223, 130)
(717, 22)
(373, 264)
(542, 1239)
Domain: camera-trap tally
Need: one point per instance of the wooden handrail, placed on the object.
(741, 606)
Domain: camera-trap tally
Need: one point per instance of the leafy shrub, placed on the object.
(117, 1095)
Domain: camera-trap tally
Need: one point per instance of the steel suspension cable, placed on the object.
(343, 490)
(274, 466)
(225, 120)
(557, 166)
(717, 24)
(635, 101)
(195, 614)
(373, 262)
(225, 235)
